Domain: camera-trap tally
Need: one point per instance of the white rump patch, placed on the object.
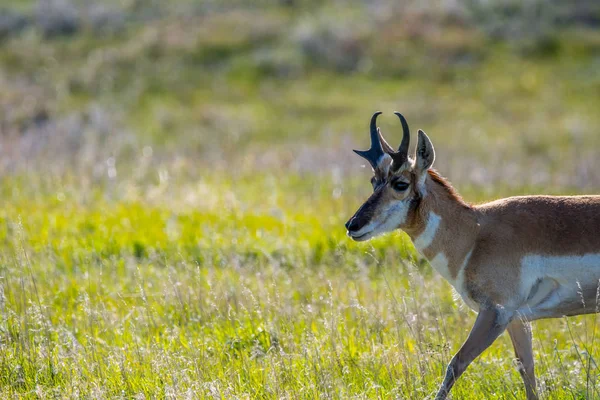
(425, 239)
(541, 291)
(545, 279)
(563, 269)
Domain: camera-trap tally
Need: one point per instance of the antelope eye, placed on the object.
(400, 186)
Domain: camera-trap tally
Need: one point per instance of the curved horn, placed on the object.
(401, 155)
(406, 134)
(375, 152)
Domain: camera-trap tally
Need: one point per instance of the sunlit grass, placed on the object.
(173, 195)
(251, 298)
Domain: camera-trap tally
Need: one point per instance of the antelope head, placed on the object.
(398, 183)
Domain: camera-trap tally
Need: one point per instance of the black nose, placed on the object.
(352, 225)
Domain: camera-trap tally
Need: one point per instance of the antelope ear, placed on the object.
(425, 153)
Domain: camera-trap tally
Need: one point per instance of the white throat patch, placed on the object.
(425, 239)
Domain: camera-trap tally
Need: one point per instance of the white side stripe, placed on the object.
(425, 239)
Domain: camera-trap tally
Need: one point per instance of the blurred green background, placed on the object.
(174, 179)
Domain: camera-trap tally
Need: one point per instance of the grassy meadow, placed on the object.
(174, 182)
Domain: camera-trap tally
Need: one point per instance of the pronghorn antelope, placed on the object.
(512, 260)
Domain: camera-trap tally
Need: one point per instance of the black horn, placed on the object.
(401, 155)
(376, 151)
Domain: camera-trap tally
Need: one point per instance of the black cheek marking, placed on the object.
(415, 202)
(376, 184)
(364, 214)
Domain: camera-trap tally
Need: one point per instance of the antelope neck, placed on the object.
(443, 229)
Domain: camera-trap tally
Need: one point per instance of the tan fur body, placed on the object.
(500, 233)
(514, 227)
(512, 260)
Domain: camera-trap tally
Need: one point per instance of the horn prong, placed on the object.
(384, 144)
(375, 152)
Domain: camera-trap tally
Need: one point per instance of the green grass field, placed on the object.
(172, 200)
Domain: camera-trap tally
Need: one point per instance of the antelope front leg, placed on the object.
(520, 335)
(490, 323)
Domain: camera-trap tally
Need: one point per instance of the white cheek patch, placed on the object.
(389, 219)
(394, 216)
(425, 239)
